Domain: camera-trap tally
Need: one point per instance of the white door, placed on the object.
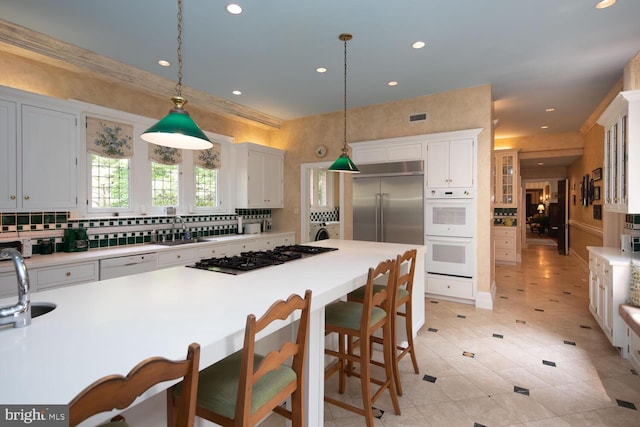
(8, 159)
(437, 164)
(255, 177)
(461, 163)
(48, 158)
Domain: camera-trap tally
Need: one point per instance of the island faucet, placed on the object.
(184, 227)
(19, 314)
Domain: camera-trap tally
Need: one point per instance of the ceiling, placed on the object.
(535, 54)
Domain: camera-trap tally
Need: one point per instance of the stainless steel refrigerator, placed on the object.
(388, 203)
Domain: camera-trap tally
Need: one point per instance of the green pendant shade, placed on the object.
(344, 164)
(177, 130)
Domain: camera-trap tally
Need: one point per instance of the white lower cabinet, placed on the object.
(182, 256)
(65, 275)
(8, 284)
(505, 244)
(449, 286)
(634, 348)
(609, 277)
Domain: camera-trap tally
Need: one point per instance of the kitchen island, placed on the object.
(107, 327)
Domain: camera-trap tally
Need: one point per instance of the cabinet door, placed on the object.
(273, 185)
(8, 159)
(438, 164)
(48, 159)
(461, 163)
(255, 179)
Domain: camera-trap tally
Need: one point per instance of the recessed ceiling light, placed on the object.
(418, 45)
(544, 127)
(550, 109)
(604, 4)
(392, 83)
(164, 63)
(237, 92)
(321, 70)
(234, 9)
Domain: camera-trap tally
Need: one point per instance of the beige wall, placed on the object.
(455, 110)
(32, 76)
(555, 141)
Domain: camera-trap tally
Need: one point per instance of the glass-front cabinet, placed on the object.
(506, 178)
(621, 122)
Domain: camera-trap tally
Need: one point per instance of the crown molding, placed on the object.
(31, 44)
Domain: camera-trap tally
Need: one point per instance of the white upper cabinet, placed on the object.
(506, 178)
(450, 163)
(621, 122)
(259, 175)
(38, 148)
(385, 151)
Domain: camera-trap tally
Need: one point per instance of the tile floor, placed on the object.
(537, 359)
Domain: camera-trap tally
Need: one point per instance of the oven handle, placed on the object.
(447, 239)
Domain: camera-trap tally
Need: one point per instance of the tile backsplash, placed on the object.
(120, 231)
(325, 216)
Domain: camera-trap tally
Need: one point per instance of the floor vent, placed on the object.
(418, 117)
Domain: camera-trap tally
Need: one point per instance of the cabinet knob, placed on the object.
(26, 197)
(178, 256)
(68, 274)
(13, 197)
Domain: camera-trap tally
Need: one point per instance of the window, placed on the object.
(206, 187)
(320, 188)
(164, 184)
(110, 150)
(206, 167)
(109, 182)
(165, 175)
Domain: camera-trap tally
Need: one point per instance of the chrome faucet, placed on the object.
(19, 314)
(173, 227)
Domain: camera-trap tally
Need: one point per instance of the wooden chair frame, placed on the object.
(118, 392)
(280, 310)
(402, 281)
(346, 344)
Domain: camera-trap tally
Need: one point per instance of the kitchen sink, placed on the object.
(185, 242)
(40, 308)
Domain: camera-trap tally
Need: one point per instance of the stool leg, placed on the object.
(365, 383)
(390, 360)
(408, 321)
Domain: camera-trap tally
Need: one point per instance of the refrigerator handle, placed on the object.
(382, 238)
(377, 209)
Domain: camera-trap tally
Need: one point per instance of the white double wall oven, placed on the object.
(450, 223)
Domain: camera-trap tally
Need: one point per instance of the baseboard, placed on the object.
(485, 299)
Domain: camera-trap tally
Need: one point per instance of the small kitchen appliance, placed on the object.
(22, 244)
(75, 240)
(252, 228)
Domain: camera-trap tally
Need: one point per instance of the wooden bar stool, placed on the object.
(118, 392)
(404, 295)
(243, 388)
(357, 323)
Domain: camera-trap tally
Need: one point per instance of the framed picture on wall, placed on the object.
(597, 174)
(596, 192)
(590, 195)
(584, 190)
(597, 211)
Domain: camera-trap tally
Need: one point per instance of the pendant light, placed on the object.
(344, 163)
(177, 129)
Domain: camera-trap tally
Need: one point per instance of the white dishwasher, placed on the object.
(127, 265)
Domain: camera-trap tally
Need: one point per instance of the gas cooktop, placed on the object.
(253, 260)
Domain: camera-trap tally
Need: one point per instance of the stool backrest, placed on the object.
(294, 350)
(118, 392)
(406, 280)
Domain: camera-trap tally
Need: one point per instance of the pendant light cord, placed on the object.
(179, 84)
(344, 148)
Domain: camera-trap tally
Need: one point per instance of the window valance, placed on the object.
(165, 155)
(208, 159)
(109, 139)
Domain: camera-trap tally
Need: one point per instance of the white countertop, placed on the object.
(102, 253)
(107, 327)
(615, 255)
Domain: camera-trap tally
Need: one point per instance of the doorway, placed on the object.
(326, 206)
